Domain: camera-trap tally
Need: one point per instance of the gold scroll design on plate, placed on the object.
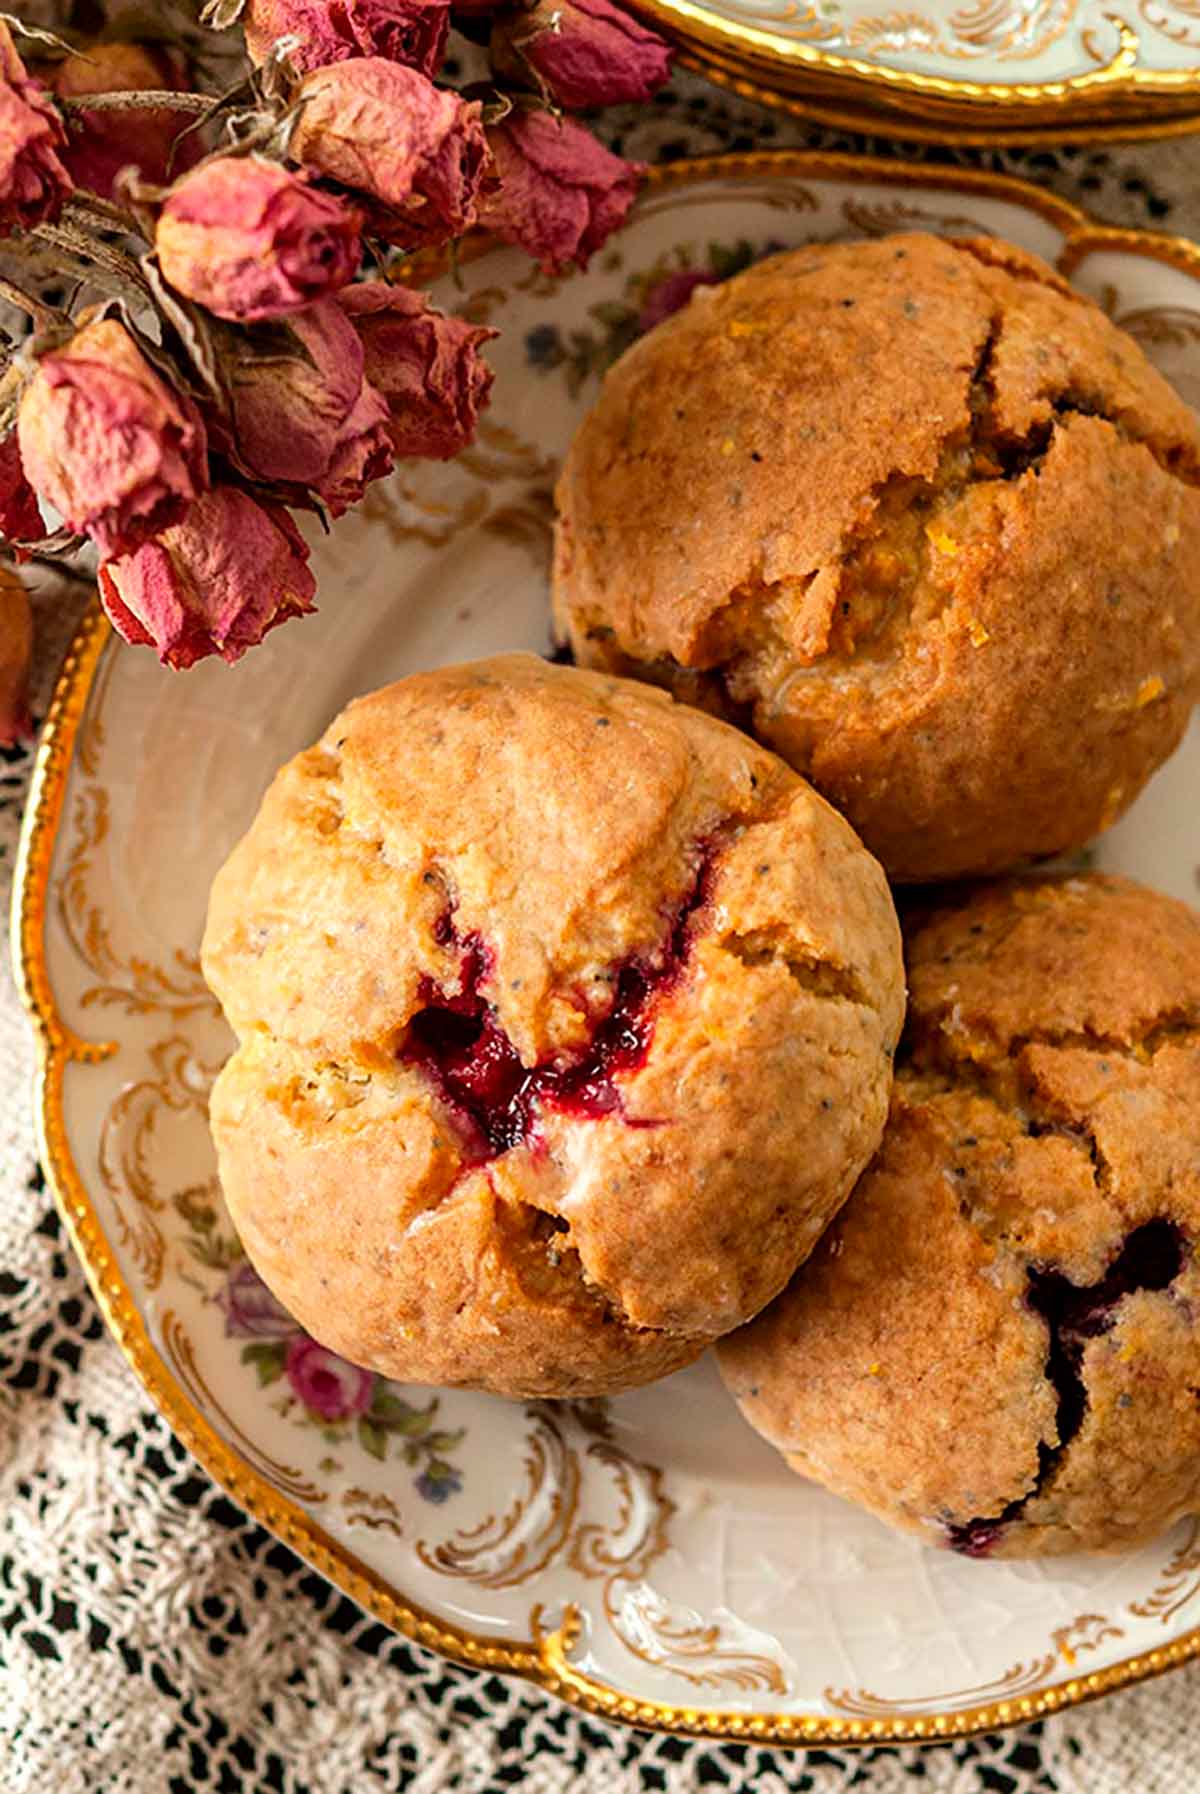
(543, 1527)
(1179, 1581)
(785, 197)
(1006, 29)
(1169, 335)
(1178, 20)
(177, 1084)
(174, 1082)
(415, 506)
(805, 21)
(180, 1354)
(1085, 1633)
(481, 306)
(373, 1509)
(867, 218)
(880, 218)
(123, 978)
(1161, 326)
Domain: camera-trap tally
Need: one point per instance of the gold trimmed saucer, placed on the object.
(842, 107)
(986, 72)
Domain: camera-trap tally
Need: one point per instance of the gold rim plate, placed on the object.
(548, 1656)
(1119, 91)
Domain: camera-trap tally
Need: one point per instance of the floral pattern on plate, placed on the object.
(341, 1400)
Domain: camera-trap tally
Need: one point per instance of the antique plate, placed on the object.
(648, 1559)
(995, 65)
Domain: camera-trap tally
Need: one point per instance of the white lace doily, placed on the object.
(152, 1641)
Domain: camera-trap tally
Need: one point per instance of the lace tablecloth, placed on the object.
(153, 1639)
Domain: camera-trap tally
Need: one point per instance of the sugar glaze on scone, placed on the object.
(565, 1017)
(918, 516)
(997, 1345)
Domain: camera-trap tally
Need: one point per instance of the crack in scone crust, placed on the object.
(527, 1013)
(996, 1343)
(1149, 1257)
(885, 565)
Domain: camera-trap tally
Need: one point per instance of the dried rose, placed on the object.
(16, 648)
(20, 518)
(363, 452)
(107, 443)
(587, 52)
(561, 193)
(102, 143)
(291, 389)
(408, 31)
(249, 239)
(33, 180)
(212, 584)
(416, 152)
(427, 366)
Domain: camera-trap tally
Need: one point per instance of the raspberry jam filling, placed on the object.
(460, 1045)
(1151, 1259)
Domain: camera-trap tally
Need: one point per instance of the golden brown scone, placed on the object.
(566, 1016)
(996, 1344)
(919, 517)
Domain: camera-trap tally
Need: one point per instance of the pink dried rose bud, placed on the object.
(20, 518)
(363, 453)
(212, 584)
(248, 239)
(101, 144)
(427, 366)
(416, 153)
(107, 443)
(561, 194)
(291, 391)
(33, 179)
(587, 52)
(16, 650)
(409, 31)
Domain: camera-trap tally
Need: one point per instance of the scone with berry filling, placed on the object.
(918, 516)
(997, 1345)
(565, 1016)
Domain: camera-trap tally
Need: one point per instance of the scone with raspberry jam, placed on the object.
(565, 1015)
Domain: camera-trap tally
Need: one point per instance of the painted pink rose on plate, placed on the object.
(325, 1383)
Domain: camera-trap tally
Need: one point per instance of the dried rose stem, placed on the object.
(41, 313)
(137, 101)
(88, 249)
(90, 208)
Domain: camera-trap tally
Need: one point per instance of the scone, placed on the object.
(997, 1345)
(919, 517)
(566, 1018)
